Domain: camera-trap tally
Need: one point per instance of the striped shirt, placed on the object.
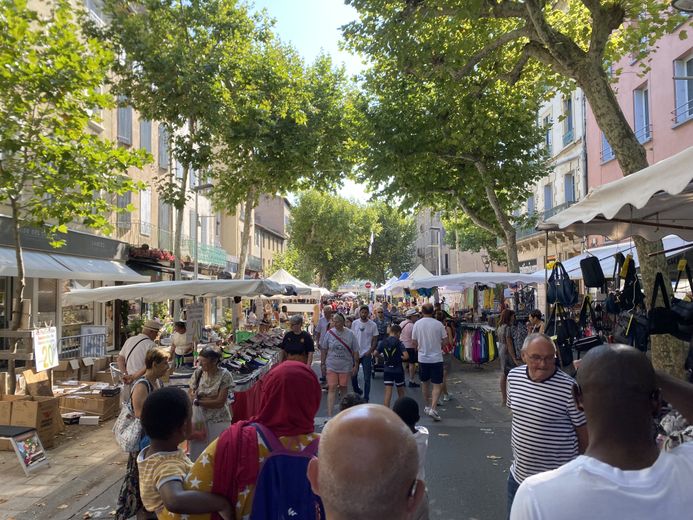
(544, 420)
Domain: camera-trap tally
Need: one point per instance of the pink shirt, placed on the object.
(405, 336)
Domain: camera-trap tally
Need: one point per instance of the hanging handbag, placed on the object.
(592, 273)
(564, 331)
(661, 320)
(586, 319)
(631, 295)
(127, 428)
(681, 308)
(631, 328)
(561, 289)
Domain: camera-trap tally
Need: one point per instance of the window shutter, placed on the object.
(548, 197)
(163, 147)
(146, 212)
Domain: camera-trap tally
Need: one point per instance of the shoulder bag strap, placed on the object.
(132, 350)
(351, 352)
(273, 444)
(659, 286)
(688, 275)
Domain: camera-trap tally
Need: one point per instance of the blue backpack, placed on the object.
(282, 491)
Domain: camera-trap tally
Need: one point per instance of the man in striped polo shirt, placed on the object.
(547, 428)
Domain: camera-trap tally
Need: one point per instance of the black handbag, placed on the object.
(561, 289)
(631, 294)
(564, 332)
(612, 303)
(661, 320)
(592, 273)
(631, 328)
(683, 309)
(586, 344)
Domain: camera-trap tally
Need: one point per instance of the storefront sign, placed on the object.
(46, 348)
(194, 321)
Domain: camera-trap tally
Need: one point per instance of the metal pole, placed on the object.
(195, 269)
(440, 251)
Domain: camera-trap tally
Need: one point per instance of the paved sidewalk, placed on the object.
(85, 459)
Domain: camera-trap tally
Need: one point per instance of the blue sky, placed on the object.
(313, 26)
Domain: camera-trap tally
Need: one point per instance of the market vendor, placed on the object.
(180, 346)
(297, 344)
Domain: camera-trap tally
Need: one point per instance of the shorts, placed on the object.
(432, 372)
(338, 378)
(393, 378)
(413, 358)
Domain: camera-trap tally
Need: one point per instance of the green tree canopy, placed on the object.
(53, 169)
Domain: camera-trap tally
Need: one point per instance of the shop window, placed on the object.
(74, 316)
(47, 302)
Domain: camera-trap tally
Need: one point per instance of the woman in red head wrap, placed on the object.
(230, 466)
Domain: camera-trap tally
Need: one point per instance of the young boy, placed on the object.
(162, 466)
(393, 352)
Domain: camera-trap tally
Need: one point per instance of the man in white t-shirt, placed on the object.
(622, 474)
(366, 332)
(131, 356)
(428, 336)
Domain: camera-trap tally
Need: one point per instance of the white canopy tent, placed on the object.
(419, 273)
(672, 243)
(653, 203)
(160, 291)
(461, 281)
(320, 290)
(302, 289)
(386, 287)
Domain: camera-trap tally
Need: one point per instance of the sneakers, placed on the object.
(412, 384)
(427, 409)
(446, 398)
(434, 415)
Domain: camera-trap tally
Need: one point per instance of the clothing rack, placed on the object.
(475, 343)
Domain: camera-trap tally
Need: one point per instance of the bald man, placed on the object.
(622, 473)
(365, 470)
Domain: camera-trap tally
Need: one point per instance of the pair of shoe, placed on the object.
(446, 397)
(433, 414)
(412, 384)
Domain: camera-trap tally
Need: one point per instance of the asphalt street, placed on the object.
(466, 468)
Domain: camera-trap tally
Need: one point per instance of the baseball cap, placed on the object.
(411, 312)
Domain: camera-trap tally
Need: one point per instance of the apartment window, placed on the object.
(96, 113)
(124, 219)
(531, 206)
(192, 177)
(146, 135)
(607, 151)
(146, 212)
(163, 147)
(684, 89)
(569, 187)
(548, 134)
(95, 10)
(204, 230)
(641, 113)
(124, 121)
(568, 129)
(179, 170)
(548, 197)
(257, 238)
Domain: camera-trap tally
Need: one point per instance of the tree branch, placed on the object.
(514, 75)
(504, 9)
(605, 20)
(475, 217)
(501, 217)
(493, 46)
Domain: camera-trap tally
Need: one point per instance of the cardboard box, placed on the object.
(104, 377)
(92, 404)
(38, 412)
(66, 370)
(86, 369)
(37, 383)
(6, 415)
(101, 364)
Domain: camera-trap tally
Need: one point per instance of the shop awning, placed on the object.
(162, 291)
(98, 269)
(653, 203)
(63, 267)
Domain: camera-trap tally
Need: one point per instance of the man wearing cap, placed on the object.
(131, 356)
(407, 326)
(297, 344)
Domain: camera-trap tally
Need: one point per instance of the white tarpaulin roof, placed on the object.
(284, 277)
(39, 264)
(161, 291)
(320, 290)
(386, 286)
(606, 257)
(653, 203)
(464, 280)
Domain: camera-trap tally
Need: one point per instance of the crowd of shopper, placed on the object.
(581, 449)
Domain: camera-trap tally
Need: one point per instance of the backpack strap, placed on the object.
(273, 444)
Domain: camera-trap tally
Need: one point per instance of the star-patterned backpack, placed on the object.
(282, 490)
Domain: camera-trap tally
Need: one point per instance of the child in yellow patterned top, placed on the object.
(163, 467)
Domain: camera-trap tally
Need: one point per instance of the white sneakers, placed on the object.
(433, 415)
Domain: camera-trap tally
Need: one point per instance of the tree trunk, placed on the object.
(248, 215)
(509, 231)
(177, 237)
(18, 310)
(668, 353)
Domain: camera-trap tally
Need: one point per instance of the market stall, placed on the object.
(398, 288)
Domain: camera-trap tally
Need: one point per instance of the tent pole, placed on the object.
(546, 274)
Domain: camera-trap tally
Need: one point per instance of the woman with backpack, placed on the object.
(156, 364)
(254, 462)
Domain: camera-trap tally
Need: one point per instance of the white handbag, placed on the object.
(127, 428)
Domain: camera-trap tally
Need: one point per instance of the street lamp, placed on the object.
(197, 190)
(683, 5)
(439, 229)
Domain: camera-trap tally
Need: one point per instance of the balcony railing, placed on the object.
(683, 112)
(568, 137)
(644, 134)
